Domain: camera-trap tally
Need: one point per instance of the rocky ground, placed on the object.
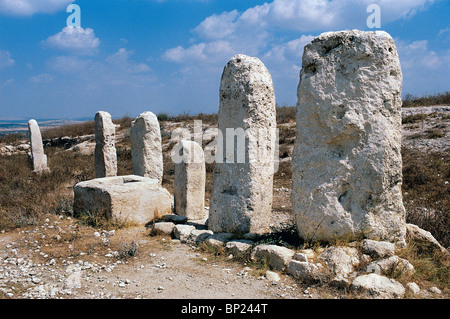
(63, 258)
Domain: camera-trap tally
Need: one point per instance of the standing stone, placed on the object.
(190, 178)
(105, 146)
(241, 197)
(146, 149)
(37, 149)
(347, 165)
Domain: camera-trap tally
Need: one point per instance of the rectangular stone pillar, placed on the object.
(347, 164)
(38, 157)
(241, 197)
(190, 178)
(146, 148)
(105, 146)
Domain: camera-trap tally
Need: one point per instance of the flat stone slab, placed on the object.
(131, 198)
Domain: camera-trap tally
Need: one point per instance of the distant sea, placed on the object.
(21, 126)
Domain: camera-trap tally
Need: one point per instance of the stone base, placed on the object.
(127, 198)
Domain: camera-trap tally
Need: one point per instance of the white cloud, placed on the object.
(68, 64)
(120, 60)
(252, 31)
(206, 53)
(422, 67)
(218, 26)
(5, 59)
(41, 78)
(30, 7)
(416, 55)
(290, 51)
(75, 40)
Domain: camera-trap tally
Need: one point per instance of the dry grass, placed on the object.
(25, 197)
(428, 100)
(285, 114)
(425, 193)
(432, 267)
(78, 129)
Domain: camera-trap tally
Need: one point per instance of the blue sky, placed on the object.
(168, 55)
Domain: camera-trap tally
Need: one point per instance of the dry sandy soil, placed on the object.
(62, 259)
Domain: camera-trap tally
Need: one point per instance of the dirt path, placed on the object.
(61, 259)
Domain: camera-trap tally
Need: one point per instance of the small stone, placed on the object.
(176, 219)
(376, 286)
(272, 276)
(435, 290)
(377, 249)
(277, 257)
(303, 270)
(162, 228)
(182, 232)
(413, 287)
(239, 246)
(300, 257)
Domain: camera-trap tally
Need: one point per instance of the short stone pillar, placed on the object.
(190, 178)
(146, 148)
(105, 146)
(347, 164)
(241, 197)
(38, 157)
(129, 198)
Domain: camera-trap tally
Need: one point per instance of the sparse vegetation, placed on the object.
(426, 193)
(428, 100)
(26, 197)
(77, 129)
(128, 250)
(414, 118)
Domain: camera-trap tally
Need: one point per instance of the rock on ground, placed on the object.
(125, 198)
(276, 257)
(378, 287)
(377, 249)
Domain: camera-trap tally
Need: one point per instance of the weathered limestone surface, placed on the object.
(37, 149)
(378, 287)
(146, 149)
(126, 198)
(105, 146)
(241, 198)
(347, 165)
(190, 178)
(277, 257)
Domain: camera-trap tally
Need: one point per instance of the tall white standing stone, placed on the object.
(241, 197)
(347, 165)
(146, 148)
(105, 146)
(190, 178)
(37, 149)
